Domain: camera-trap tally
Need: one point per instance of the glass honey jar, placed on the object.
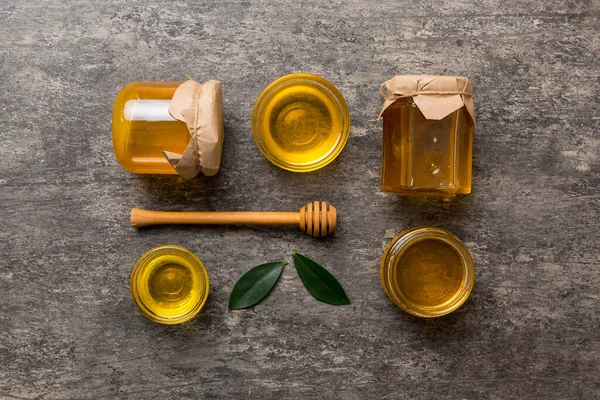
(169, 127)
(143, 128)
(428, 124)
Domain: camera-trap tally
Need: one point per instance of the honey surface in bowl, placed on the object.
(429, 273)
(303, 125)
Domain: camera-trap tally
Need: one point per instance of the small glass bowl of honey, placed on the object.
(427, 272)
(301, 122)
(169, 284)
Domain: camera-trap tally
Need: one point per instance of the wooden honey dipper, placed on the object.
(318, 219)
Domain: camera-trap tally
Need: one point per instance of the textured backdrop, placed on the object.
(68, 325)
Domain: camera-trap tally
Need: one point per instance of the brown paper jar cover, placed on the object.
(428, 124)
(169, 127)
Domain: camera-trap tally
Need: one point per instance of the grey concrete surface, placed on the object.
(68, 326)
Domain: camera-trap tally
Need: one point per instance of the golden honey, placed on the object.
(169, 284)
(427, 272)
(300, 122)
(142, 127)
(426, 157)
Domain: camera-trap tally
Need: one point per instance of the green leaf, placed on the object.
(319, 282)
(255, 285)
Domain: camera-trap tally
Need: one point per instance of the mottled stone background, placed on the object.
(68, 326)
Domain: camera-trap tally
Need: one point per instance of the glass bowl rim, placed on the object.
(142, 263)
(325, 86)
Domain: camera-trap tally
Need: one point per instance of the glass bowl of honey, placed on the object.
(427, 272)
(169, 284)
(300, 122)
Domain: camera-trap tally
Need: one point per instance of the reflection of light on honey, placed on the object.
(429, 272)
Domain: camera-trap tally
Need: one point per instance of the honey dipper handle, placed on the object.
(141, 218)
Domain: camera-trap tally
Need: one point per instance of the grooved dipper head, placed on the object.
(318, 219)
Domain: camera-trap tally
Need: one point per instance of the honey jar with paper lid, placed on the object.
(428, 124)
(169, 128)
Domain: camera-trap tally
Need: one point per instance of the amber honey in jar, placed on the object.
(428, 124)
(169, 127)
(427, 272)
(143, 128)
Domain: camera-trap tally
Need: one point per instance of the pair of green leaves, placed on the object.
(256, 284)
